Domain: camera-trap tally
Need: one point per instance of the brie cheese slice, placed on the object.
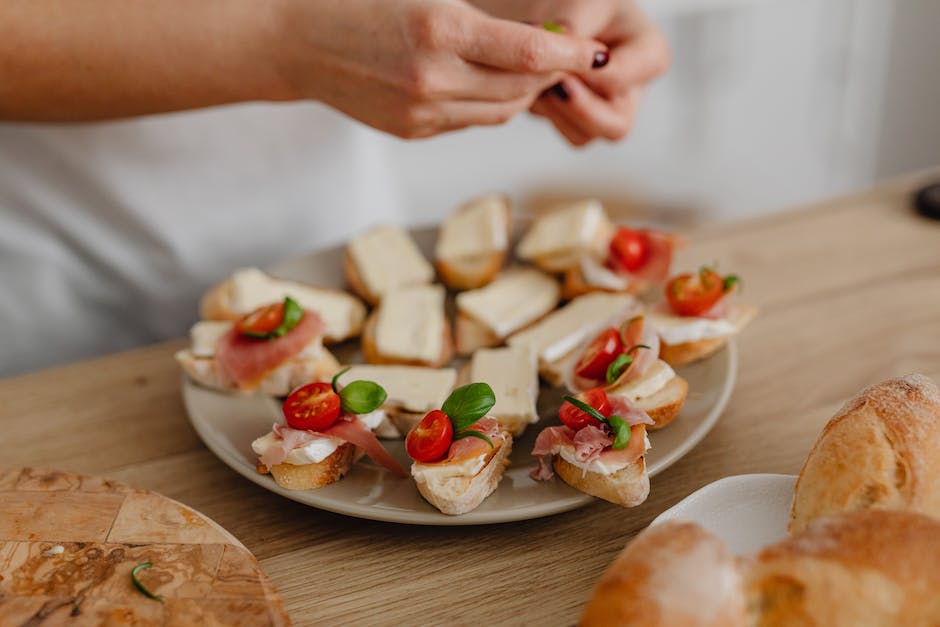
(386, 258)
(410, 323)
(512, 301)
(411, 388)
(479, 228)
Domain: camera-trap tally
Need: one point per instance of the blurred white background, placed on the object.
(769, 103)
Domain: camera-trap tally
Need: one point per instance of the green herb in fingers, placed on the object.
(431, 438)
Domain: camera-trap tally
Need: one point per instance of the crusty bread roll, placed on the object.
(865, 568)
(881, 451)
(310, 476)
(459, 495)
(675, 574)
(627, 487)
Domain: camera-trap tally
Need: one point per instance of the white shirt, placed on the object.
(110, 232)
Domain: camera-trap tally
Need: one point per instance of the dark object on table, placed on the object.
(927, 201)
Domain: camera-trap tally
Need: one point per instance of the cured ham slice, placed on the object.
(589, 444)
(640, 331)
(248, 360)
(468, 447)
(656, 268)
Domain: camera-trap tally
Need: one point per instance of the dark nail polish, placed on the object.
(560, 92)
(600, 59)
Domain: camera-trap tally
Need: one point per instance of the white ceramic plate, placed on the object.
(746, 511)
(228, 424)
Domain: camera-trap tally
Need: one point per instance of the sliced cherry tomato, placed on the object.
(694, 294)
(575, 418)
(314, 406)
(599, 354)
(261, 322)
(629, 249)
(430, 439)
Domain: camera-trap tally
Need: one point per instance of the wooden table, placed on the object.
(849, 292)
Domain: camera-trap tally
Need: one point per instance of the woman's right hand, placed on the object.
(416, 68)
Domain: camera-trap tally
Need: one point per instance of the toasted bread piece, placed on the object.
(880, 451)
(687, 352)
(672, 574)
(279, 382)
(343, 314)
(471, 335)
(558, 238)
(473, 243)
(396, 248)
(459, 495)
(664, 405)
(310, 476)
(372, 355)
(628, 487)
(574, 285)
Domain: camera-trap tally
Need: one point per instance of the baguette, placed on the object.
(460, 494)
(675, 574)
(682, 353)
(880, 451)
(342, 313)
(311, 476)
(473, 243)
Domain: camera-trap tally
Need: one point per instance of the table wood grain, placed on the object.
(849, 292)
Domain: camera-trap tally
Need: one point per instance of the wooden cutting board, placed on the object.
(68, 543)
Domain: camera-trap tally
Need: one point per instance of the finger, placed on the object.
(552, 109)
(455, 115)
(520, 48)
(595, 116)
(487, 84)
(637, 61)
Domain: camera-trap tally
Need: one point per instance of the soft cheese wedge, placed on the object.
(473, 243)
(512, 373)
(412, 390)
(686, 339)
(557, 336)
(516, 299)
(312, 363)
(558, 239)
(409, 327)
(382, 260)
(249, 288)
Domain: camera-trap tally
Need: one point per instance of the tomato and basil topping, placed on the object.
(592, 405)
(609, 355)
(271, 321)
(317, 406)
(694, 294)
(431, 438)
(629, 250)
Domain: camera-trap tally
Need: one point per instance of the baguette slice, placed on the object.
(880, 451)
(383, 259)
(406, 318)
(627, 487)
(473, 243)
(461, 494)
(311, 476)
(558, 238)
(576, 282)
(673, 574)
(249, 288)
(680, 354)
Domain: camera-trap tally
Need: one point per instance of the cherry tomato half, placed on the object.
(599, 354)
(574, 418)
(261, 322)
(314, 406)
(430, 439)
(629, 249)
(694, 294)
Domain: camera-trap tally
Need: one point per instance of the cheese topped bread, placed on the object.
(249, 288)
(488, 315)
(410, 328)
(472, 244)
(685, 339)
(557, 240)
(511, 372)
(383, 259)
(557, 335)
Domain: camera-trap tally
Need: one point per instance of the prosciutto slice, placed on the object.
(286, 440)
(656, 268)
(469, 447)
(590, 444)
(248, 360)
(640, 331)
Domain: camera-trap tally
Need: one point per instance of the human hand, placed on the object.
(416, 68)
(585, 106)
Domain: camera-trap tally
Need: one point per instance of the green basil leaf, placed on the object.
(337, 376)
(470, 433)
(468, 403)
(293, 313)
(140, 586)
(553, 27)
(362, 397)
(730, 282)
(622, 432)
(617, 366)
(590, 411)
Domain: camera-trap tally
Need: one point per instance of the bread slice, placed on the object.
(672, 574)
(311, 476)
(383, 259)
(688, 352)
(460, 494)
(575, 284)
(880, 451)
(404, 316)
(664, 405)
(628, 487)
(249, 288)
(558, 238)
(473, 243)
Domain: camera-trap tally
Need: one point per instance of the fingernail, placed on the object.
(530, 23)
(559, 91)
(600, 59)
